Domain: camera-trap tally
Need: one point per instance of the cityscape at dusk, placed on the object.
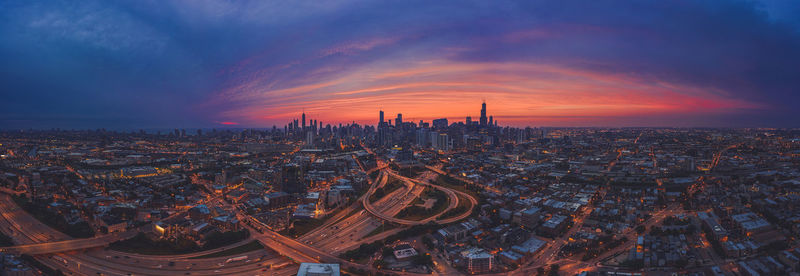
(377, 138)
(202, 64)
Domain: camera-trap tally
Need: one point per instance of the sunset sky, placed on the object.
(166, 64)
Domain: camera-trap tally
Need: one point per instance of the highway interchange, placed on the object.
(347, 229)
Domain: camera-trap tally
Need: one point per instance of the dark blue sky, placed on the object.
(154, 64)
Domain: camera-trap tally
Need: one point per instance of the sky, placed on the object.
(214, 64)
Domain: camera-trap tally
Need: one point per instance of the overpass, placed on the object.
(10, 191)
(69, 245)
(451, 194)
(300, 252)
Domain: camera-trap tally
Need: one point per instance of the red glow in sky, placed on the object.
(518, 94)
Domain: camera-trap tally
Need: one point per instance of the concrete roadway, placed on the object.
(69, 245)
(453, 203)
(25, 229)
(301, 252)
(349, 232)
(339, 235)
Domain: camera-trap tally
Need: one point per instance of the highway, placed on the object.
(69, 245)
(301, 252)
(24, 229)
(75, 256)
(350, 231)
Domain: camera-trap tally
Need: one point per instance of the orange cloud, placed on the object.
(520, 93)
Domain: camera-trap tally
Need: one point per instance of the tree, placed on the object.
(554, 269)
(387, 251)
(423, 260)
(428, 242)
(379, 193)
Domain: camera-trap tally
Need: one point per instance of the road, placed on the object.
(24, 229)
(299, 251)
(69, 245)
(351, 231)
(390, 216)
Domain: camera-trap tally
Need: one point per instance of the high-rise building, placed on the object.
(469, 120)
(380, 122)
(440, 123)
(399, 120)
(483, 114)
(304, 121)
(491, 121)
(423, 137)
(310, 138)
(433, 139)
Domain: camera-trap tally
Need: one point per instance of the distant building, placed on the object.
(483, 118)
(440, 123)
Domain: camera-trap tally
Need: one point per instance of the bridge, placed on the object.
(451, 194)
(69, 245)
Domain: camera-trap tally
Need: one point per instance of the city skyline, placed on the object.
(214, 64)
(402, 138)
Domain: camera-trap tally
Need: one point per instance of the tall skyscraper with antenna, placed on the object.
(483, 114)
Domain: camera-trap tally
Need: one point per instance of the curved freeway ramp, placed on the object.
(451, 194)
(69, 245)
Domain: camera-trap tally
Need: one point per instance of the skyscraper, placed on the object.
(380, 123)
(440, 123)
(304, 121)
(483, 114)
(399, 120)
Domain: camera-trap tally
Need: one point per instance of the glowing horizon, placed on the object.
(258, 64)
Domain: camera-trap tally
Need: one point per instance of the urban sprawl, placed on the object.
(401, 198)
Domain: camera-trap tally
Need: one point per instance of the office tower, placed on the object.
(440, 123)
(433, 139)
(383, 136)
(310, 138)
(422, 137)
(380, 122)
(491, 121)
(304, 121)
(399, 120)
(483, 114)
(440, 141)
(469, 120)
